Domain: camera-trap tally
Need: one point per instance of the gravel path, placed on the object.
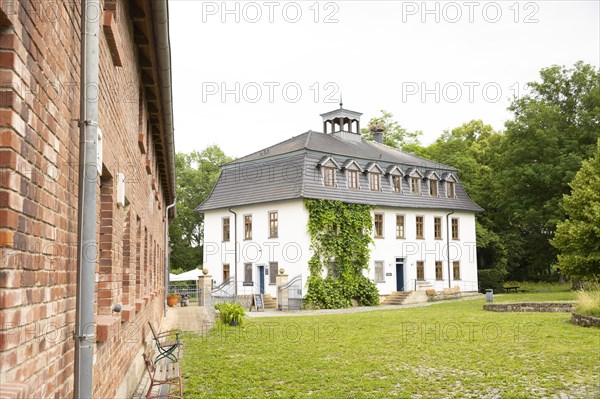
(278, 313)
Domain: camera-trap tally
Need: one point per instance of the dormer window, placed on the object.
(450, 184)
(375, 181)
(328, 169)
(328, 177)
(415, 185)
(375, 172)
(351, 168)
(396, 177)
(433, 188)
(397, 184)
(450, 189)
(352, 177)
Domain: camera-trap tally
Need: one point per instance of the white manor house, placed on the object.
(255, 221)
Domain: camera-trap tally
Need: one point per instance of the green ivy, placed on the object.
(340, 232)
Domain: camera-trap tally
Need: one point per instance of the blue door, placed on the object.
(399, 274)
(261, 278)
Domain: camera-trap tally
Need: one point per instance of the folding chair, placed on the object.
(166, 349)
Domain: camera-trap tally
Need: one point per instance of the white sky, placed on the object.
(379, 54)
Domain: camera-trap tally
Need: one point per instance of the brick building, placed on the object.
(39, 168)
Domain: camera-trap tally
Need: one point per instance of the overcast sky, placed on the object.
(248, 75)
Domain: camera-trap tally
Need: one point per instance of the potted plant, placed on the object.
(231, 313)
(172, 299)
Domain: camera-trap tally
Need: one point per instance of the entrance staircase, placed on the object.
(397, 298)
(269, 302)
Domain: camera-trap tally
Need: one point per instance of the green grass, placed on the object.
(448, 350)
(540, 286)
(556, 296)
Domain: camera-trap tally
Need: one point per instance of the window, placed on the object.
(415, 185)
(397, 184)
(438, 270)
(226, 273)
(420, 232)
(455, 228)
(375, 181)
(433, 188)
(329, 177)
(273, 224)
(247, 227)
(450, 193)
(420, 270)
(379, 272)
(352, 179)
(332, 271)
(379, 225)
(226, 229)
(400, 226)
(456, 269)
(437, 228)
(273, 269)
(247, 272)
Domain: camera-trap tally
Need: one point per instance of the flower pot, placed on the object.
(172, 300)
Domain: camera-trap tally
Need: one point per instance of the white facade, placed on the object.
(291, 248)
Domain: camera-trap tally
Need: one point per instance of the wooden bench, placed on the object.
(166, 349)
(512, 289)
(454, 291)
(163, 373)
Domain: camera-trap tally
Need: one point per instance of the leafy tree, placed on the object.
(555, 127)
(394, 135)
(578, 237)
(197, 172)
(472, 149)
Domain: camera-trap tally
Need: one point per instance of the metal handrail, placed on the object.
(221, 287)
(289, 283)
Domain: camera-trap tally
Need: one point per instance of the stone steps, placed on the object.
(397, 298)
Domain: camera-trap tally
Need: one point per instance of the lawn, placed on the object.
(448, 350)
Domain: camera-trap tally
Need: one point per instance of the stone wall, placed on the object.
(529, 307)
(585, 321)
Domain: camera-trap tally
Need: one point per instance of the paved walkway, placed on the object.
(278, 313)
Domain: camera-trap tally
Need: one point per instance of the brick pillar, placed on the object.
(205, 285)
(282, 295)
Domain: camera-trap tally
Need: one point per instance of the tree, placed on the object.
(197, 172)
(555, 127)
(472, 149)
(578, 237)
(394, 135)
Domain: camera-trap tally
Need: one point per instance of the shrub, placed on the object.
(491, 279)
(588, 303)
(231, 313)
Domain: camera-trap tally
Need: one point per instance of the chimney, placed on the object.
(377, 137)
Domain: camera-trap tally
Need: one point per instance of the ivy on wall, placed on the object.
(340, 233)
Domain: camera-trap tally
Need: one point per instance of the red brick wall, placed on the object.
(39, 150)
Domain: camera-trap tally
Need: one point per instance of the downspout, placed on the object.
(167, 257)
(448, 247)
(235, 263)
(86, 215)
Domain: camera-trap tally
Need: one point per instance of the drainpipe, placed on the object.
(167, 257)
(235, 265)
(448, 247)
(86, 217)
